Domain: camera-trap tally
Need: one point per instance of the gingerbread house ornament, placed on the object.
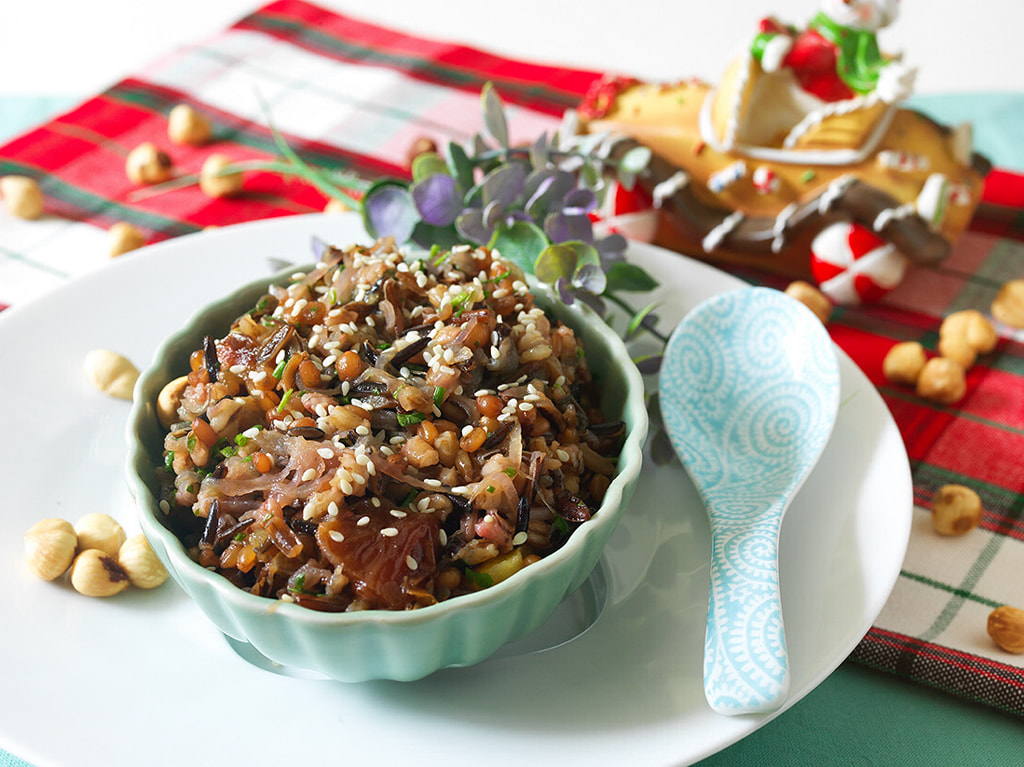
(804, 145)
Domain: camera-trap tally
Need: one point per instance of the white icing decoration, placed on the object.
(836, 189)
(892, 214)
(829, 109)
(727, 176)
(732, 120)
(669, 187)
(779, 227)
(714, 238)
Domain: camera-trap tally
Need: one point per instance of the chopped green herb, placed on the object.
(298, 583)
(228, 450)
(241, 439)
(439, 392)
(382, 346)
(284, 400)
(190, 442)
(410, 419)
(280, 368)
(262, 303)
(479, 580)
(409, 498)
(169, 460)
(510, 471)
(239, 537)
(490, 488)
(558, 522)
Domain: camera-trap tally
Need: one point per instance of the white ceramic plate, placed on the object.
(144, 678)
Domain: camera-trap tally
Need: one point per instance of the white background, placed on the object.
(75, 48)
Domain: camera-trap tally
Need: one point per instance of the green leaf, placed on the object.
(459, 165)
(635, 160)
(494, 115)
(556, 261)
(426, 236)
(623, 275)
(521, 243)
(634, 322)
(428, 164)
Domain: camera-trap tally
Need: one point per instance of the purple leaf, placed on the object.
(591, 278)
(470, 225)
(562, 227)
(437, 198)
(388, 209)
(564, 289)
(579, 202)
(504, 184)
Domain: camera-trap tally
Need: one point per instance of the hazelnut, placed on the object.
(22, 196)
(187, 126)
(956, 510)
(100, 531)
(169, 400)
(812, 298)
(138, 559)
(1006, 627)
(942, 380)
(95, 573)
(972, 327)
(957, 348)
(421, 145)
(148, 164)
(111, 373)
(50, 548)
(216, 180)
(123, 238)
(1008, 306)
(903, 362)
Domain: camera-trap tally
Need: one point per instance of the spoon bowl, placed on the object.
(749, 390)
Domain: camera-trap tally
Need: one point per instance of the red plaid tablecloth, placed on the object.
(346, 93)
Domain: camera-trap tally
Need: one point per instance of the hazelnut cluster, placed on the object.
(963, 335)
(99, 557)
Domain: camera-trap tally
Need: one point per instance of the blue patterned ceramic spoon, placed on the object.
(749, 390)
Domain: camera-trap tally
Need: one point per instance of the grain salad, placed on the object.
(385, 433)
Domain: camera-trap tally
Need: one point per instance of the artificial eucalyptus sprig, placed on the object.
(535, 204)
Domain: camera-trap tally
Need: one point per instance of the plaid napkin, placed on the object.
(346, 93)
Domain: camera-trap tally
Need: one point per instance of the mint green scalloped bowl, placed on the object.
(376, 644)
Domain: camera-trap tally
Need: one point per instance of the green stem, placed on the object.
(631, 311)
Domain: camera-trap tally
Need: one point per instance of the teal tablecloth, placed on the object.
(856, 716)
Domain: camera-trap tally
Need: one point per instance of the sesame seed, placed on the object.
(362, 458)
(562, 455)
(332, 509)
(467, 429)
(346, 487)
(375, 502)
(500, 293)
(363, 430)
(430, 482)
(526, 406)
(359, 479)
(389, 532)
(386, 450)
(325, 452)
(337, 535)
(424, 504)
(329, 360)
(411, 563)
(309, 474)
(442, 536)
(344, 474)
(237, 369)
(398, 513)
(165, 507)
(371, 469)
(363, 522)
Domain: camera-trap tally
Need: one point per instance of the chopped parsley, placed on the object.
(410, 419)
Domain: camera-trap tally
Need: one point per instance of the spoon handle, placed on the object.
(746, 667)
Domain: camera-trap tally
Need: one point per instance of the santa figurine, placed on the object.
(837, 56)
